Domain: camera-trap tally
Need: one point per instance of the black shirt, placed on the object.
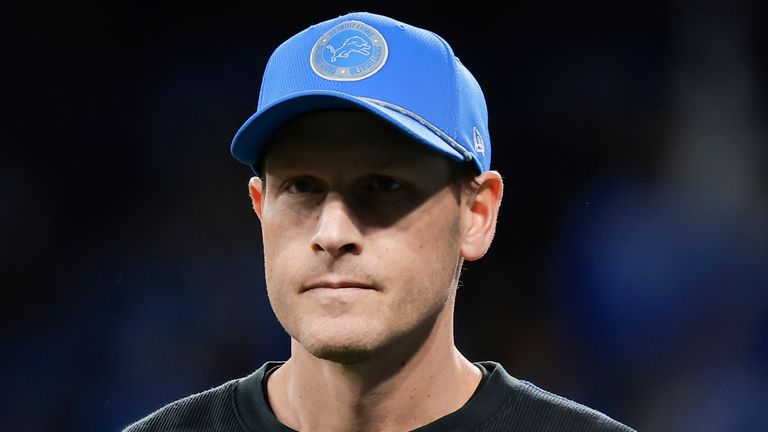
(500, 403)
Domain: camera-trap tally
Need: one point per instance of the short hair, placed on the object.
(463, 178)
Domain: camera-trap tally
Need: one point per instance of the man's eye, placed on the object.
(385, 184)
(303, 185)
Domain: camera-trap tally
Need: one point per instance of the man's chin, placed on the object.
(347, 355)
(344, 349)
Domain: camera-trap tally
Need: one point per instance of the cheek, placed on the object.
(425, 257)
(282, 245)
(433, 238)
(281, 261)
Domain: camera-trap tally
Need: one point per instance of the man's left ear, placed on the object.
(482, 211)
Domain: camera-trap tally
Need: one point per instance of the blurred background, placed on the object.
(630, 267)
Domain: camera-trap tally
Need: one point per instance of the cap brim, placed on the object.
(256, 131)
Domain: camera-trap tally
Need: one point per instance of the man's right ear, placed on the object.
(256, 191)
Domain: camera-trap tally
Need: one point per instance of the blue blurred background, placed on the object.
(630, 267)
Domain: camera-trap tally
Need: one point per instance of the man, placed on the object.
(373, 185)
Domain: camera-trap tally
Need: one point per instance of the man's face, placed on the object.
(361, 232)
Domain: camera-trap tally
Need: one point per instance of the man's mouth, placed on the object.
(338, 284)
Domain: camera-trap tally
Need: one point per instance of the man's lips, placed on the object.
(337, 285)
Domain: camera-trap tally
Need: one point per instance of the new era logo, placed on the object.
(479, 143)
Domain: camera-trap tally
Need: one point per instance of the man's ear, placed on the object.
(256, 190)
(480, 215)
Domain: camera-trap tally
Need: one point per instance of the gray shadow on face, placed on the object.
(381, 174)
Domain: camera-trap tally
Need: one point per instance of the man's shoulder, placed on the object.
(212, 409)
(559, 409)
(540, 409)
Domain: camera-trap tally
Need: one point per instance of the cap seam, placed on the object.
(451, 64)
(434, 129)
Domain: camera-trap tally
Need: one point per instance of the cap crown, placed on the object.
(391, 64)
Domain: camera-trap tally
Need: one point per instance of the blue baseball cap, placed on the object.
(406, 75)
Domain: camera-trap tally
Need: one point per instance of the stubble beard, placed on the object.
(353, 346)
(350, 345)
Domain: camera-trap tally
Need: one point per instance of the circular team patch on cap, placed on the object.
(350, 51)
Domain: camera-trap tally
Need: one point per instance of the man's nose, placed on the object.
(337, 232)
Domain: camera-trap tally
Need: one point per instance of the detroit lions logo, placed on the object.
(355, 44)
(350, 51)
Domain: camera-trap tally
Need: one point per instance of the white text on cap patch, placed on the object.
(350, 51)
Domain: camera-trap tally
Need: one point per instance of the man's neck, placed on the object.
(396, 391)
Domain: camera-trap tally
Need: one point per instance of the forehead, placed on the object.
(351, 138)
